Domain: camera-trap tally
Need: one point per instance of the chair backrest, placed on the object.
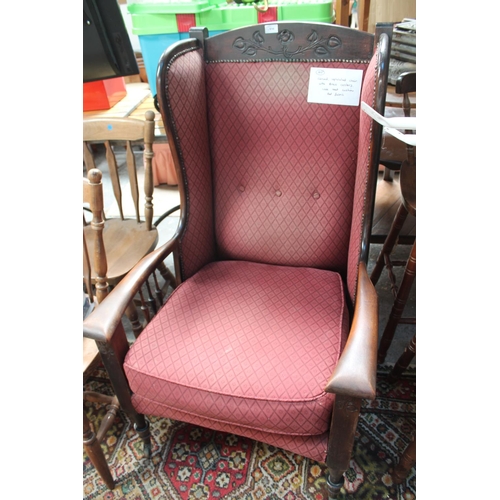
(128, 132)
(271, 172)
(406, 84)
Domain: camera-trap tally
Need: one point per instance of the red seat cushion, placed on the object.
(247, 344)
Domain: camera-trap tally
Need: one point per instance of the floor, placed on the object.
(165, 197)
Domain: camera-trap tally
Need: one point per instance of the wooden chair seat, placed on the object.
(126, 243)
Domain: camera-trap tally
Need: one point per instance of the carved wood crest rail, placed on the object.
(290, 41)
(286, 45)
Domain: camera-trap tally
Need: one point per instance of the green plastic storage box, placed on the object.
(227, 17)
(299, 10)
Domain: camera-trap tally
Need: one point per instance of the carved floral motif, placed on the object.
(321, 46)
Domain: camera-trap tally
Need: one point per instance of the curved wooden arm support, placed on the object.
(102, 323)
(355, 373)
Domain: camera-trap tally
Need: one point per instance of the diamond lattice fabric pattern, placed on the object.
(245, 343)
(280, 196)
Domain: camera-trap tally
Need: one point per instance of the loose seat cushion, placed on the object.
(247, 344)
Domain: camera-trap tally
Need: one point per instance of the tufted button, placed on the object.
(278, 193)
(315, 195)
(241, 188)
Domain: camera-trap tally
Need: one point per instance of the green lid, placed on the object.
(170, 7)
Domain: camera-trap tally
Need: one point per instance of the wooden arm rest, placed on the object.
(101, 324)
(356, 371)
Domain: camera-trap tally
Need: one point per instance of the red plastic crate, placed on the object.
(269, 16)
(103, 94)
(185, 22)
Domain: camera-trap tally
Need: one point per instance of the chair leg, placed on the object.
(95, 453)
(142, 428)
(167, 275)
(403, 361)
(133, 317)
(390, 241)
(341, 441)
(388, 175)
(399, 304)
(406, 462)
(112, 356)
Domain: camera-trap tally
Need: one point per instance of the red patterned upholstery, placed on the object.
(286, 201)
(188, 102)
(245, 347)
(275, 196)
(280, 198)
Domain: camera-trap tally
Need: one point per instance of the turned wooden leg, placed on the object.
(403, 361)
(341, 441)
(167, 275)
(113, 355)
(141, 426)
(133, 316)
(399, 304)
(406, 462)
(390, 241)
(388, 175)
(94, 451)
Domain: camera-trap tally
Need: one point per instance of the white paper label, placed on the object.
(335, 86)
(271, 28)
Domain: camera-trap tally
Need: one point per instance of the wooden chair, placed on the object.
(393, 151)
(128, 236)
(95, 268)
(408, 205)
(272, 331)
(93, 195)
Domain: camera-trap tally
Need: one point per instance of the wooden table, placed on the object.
(134, 105)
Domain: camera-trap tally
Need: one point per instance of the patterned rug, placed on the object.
(189, 462)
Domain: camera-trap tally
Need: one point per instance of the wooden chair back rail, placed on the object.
(112, 132)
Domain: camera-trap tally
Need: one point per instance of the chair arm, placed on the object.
(356, 372)
(101, 324)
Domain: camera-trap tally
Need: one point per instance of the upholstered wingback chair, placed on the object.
(272, 330)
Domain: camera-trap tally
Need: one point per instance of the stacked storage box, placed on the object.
(160, 24)
(230, 16)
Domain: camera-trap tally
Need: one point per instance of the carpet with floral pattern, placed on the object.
(189, 462)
